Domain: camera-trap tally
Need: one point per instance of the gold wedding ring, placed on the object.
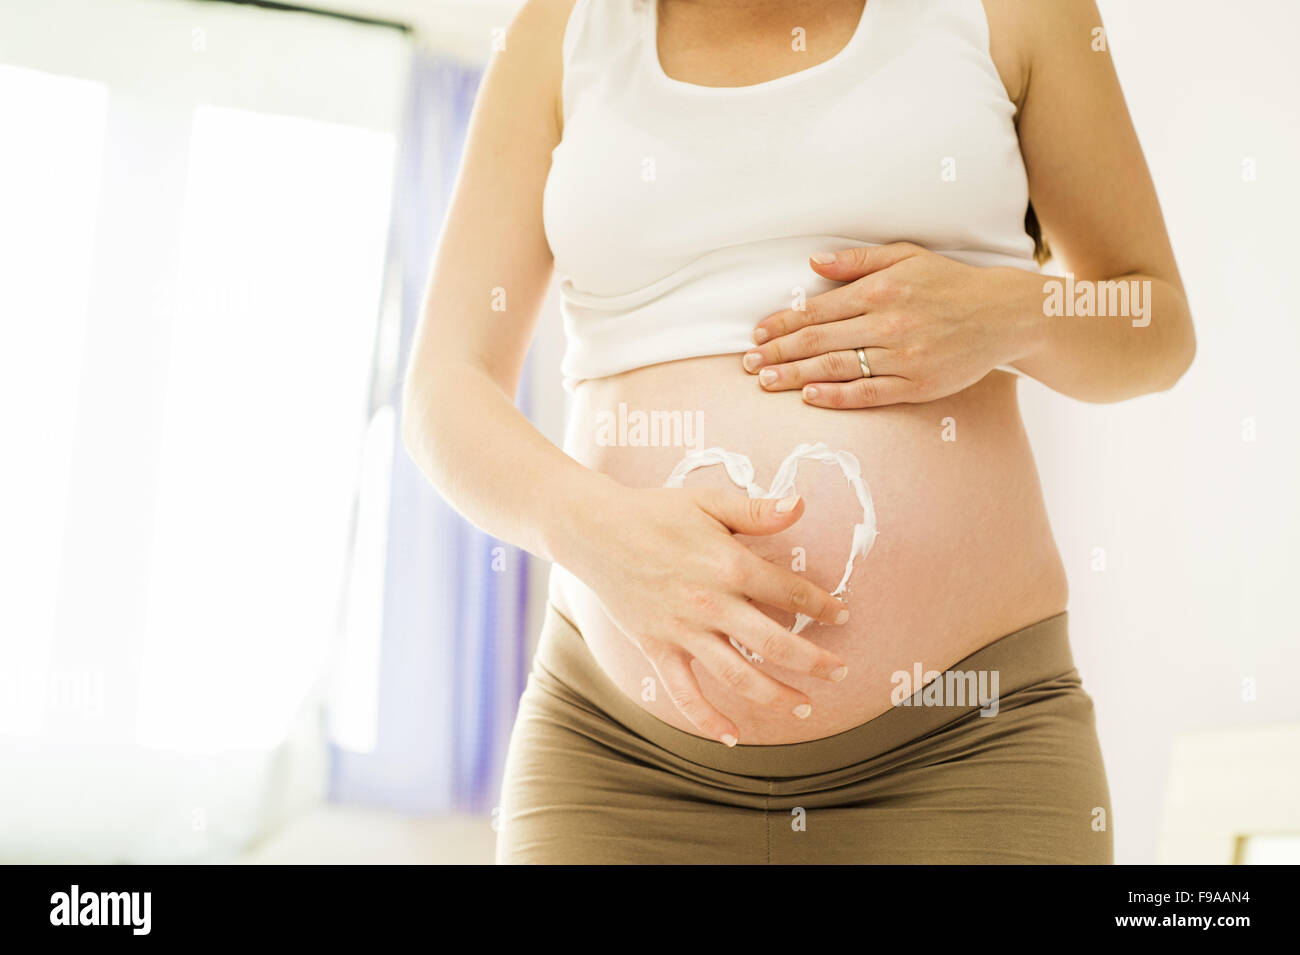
(862, 360)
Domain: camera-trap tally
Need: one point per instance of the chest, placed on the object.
(905, 132)
(751, 44)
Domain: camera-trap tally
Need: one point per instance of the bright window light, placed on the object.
(354, 698)
(53, 132)
(280, 265)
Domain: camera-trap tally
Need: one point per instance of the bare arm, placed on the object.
(933, 326)
(489, 278)
(663, 562)
(1090, 185)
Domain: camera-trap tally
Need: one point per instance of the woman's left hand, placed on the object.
(929, 327)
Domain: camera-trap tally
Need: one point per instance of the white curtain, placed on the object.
(194, 206)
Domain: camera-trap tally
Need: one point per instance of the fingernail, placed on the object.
(842, 617)
(839, 673)
(810, 392)
(787, 504)
(752, 360)
(802, 711)
(767, 376)
(823, 258)
(760, 336)
(728, 739)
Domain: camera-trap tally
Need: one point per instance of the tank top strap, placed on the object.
(967, 17)
(601, 35)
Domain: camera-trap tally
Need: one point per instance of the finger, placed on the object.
(743, 514)
(761, 634)
(833, 366)
(856, 331)
(844, 265)
(784, 589)
(839, 303)
(674, 670)
(724, 662)
(853, 263)
(864, 393)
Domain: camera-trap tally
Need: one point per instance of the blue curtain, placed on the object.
(454, 642)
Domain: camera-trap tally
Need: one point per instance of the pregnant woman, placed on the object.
(801, 233)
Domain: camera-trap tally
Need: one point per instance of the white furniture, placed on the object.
(1233, 797)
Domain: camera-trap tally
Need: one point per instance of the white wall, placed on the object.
(1198, 523)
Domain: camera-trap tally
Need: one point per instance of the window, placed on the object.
(280, 265)
(193, 226)
(49, 194)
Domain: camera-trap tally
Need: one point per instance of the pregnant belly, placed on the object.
(963, 553)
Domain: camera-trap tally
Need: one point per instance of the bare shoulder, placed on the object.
(1023, 32)
(539, 25)
(532, 48)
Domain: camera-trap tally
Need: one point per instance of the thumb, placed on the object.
(849, 264)
(751, 515)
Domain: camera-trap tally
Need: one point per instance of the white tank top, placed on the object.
(680, 215)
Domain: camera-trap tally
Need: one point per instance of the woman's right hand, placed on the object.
(670, 574)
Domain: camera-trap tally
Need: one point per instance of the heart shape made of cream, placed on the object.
(741, 471)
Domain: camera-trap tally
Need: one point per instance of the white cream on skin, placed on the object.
(741, 471)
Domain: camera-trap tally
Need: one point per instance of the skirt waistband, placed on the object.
(1032, 655)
